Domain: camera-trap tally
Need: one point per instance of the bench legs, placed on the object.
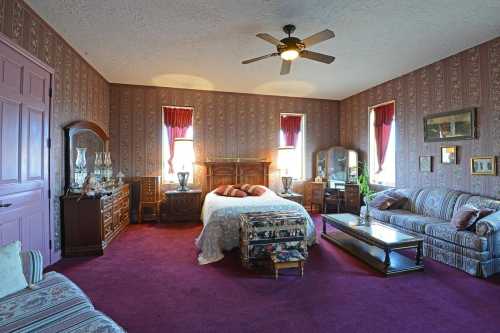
(293, 264)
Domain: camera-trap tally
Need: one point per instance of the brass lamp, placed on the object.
(285, 159)
(183, 157)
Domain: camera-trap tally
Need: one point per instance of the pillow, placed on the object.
(253, 190)
(32, 266)
(465, 217)
(387, 200)
(482, 212)
(11, 273)
(229, 191)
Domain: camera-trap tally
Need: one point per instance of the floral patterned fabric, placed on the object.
(414, 222)
(221, 220)
(54, 302)
(286, 256)
(464, 238)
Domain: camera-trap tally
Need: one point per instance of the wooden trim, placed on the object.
(384, 103)
(7, 41)
(230, 173)
(84, 124)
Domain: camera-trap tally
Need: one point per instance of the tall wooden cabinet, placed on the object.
(91, 223)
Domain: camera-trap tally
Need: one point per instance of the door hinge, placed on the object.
(50, 92)
(49, 143)
(50, 244)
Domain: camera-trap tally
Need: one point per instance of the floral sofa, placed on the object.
(428, 211)
(51, 303)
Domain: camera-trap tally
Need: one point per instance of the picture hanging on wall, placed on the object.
(446, 126)
(483, 165)
(449, 155)
(425, 163)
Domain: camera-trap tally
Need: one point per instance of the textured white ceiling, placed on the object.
(200, 43)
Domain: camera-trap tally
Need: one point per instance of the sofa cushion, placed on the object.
(387, 200)
(83, 321)
(414, 222)
(464, 238)
(32, 309)
(436, 202)
(32, 266)
(385, 215)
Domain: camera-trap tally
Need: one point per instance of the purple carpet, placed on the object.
(149, 281)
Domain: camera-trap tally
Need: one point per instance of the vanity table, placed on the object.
(92, 215)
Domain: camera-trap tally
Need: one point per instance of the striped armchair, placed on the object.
(51, 303)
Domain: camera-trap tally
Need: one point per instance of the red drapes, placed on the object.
(177, 121)
(290, 125)
(384, 116)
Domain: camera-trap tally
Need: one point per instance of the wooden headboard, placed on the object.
(228, 173)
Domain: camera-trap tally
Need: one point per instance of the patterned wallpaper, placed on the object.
(79, 92)
(225, 125)
(469, 78)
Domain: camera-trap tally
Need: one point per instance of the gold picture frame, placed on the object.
(449, 155)
(483, 165)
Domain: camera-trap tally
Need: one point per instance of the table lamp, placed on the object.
(183, 158)
(285, 159)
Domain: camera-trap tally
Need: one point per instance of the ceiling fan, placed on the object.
(289, 48)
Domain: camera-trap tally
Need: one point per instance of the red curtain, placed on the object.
(290, 125)
(384, 115)
(177, 121)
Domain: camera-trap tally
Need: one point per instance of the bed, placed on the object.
(221, 215)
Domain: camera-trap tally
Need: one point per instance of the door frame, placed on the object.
(54, 255)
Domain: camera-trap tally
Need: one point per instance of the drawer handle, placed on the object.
(5, 205)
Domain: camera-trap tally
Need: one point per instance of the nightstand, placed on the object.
(181, 206)
(298, 198)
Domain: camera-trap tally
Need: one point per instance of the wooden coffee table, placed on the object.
(374, 243)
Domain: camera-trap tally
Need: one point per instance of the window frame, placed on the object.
(370, 129)
(302, 139)
(167, 180)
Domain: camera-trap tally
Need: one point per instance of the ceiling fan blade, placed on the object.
(260, 58)
(285, 67)
(270, 39)
(317, 56)
(318, 38)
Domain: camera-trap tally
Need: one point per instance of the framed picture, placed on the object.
(483, 165)
(455, 125)
(425, 163)
(449, 155)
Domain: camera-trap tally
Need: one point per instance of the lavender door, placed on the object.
(24, 115)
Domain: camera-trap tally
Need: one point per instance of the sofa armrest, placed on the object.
(32, 266)
(488, 225)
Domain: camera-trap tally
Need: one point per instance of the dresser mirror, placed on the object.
(86, 144)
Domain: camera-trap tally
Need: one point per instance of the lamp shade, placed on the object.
(285, 158)
(183, 154)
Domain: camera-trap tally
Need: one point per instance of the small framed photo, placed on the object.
(449, 155)
(483, 165)
(425, 163)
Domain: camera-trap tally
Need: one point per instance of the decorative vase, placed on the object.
(80, 166)
(98, 165)
(108, 168)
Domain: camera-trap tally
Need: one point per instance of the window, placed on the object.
(382, 153)
(177, 123)
(292, 135)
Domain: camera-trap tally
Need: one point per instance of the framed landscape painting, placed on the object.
(483, 165)
(455, 125)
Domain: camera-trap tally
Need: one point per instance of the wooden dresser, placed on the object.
(90, 224)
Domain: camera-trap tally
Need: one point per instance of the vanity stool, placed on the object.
(287, 259)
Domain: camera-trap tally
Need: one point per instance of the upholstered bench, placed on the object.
(287, 259)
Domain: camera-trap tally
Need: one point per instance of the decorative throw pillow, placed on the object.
(229, 191)
(32, 266)
(253, 190)
(387, 200)
(482, 212)
(465, 217)
(11, 274)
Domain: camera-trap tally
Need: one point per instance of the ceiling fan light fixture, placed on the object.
(289, 55)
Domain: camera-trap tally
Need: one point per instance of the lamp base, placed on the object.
(287, 185)
(183, 177)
